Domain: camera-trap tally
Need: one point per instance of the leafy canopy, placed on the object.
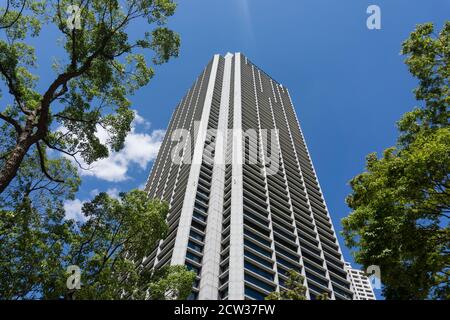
(38, 245)
(401, 204)
(102, 65)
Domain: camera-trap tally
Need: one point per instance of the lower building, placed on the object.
(361, 284)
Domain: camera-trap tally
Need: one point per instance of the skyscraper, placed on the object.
(245, 203)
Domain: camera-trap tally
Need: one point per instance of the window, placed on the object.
(193, 268)
(257, 248)
(316, 279)
(287, 264)
(257, 270)
(198, 226)
(258, 282)
(199, 216)
(258, 259)
(285, 253)
(252, 293)
(256, 237)
(200, 207)
(193, 296)
(196, 236)
(193, 257)
(223, 293)
(195, 246)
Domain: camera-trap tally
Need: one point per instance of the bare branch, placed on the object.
(16, 18)
(71, 154)
(11, 121)
(43, 167)
(6, 10)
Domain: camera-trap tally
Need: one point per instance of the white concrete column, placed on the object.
(209, 283)
(182, 238)
(236, 269)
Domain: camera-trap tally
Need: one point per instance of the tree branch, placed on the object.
(43, 167)
(11, 121)
(6, 9)
(65, 152)
(13, 89)
(16, 18)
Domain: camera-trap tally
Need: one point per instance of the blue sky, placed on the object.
(349, 84)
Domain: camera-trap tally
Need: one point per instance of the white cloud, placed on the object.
(245, 14)
(94, 192)
(142, 148)
(140, 120)
(73, 210)
(141, 186)
(113, 192)
(139, 149)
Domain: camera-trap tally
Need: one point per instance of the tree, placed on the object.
(295, 290)
(104, 64)
(112, 244)
(401, 204)
(169, 283)
(110, 247)
(33, 232)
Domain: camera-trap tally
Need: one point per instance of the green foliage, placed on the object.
(33, 184)
(295, 289)
(130, 225)
(103, 65)
(401, 204)
(32, 244)
(172, 282)
(323, 296)
(428, 59)
(38, 246)
(33, 231)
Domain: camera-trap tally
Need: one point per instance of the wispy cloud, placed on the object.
(243, 9)
(139, 149)
(113, 192)
(141, 186)
(94, 192)
(73, 210)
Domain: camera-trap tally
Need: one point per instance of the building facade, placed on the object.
(245, 203)
(360, 284)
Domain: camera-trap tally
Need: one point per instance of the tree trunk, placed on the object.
(13, 160)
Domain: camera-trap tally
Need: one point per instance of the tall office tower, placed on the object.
(245, 206)
(360, 284)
